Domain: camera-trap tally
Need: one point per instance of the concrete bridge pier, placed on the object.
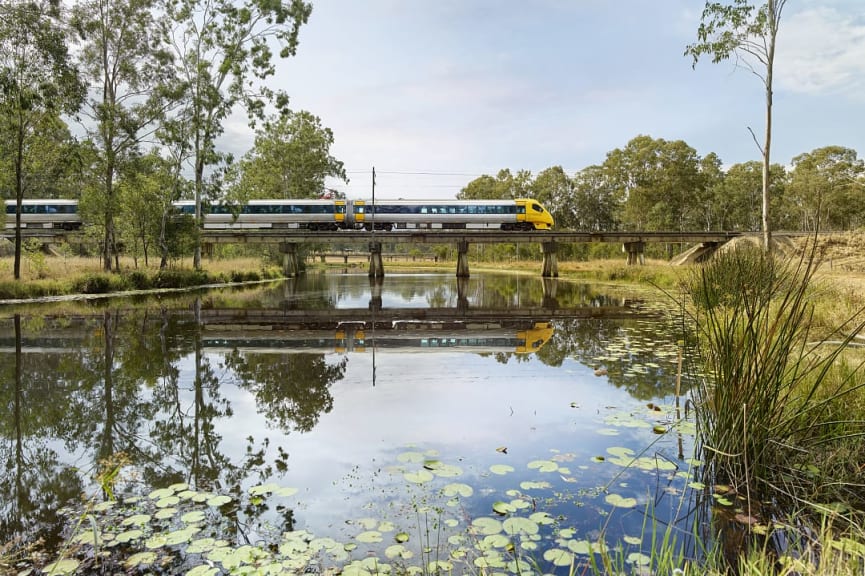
(290, 262)
(376, 266)
(462, 259)
(551, 264)
(635, 252)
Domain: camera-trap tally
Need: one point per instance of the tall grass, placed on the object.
(771, 408)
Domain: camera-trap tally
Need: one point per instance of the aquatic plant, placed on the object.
(768, 408)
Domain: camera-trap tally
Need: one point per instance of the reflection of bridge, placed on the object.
(476, 337)
(633, 243)
(267, 319)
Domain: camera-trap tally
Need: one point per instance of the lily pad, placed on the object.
(457, 489)
(559, 557)
(501, 469)
(419, 477)
(619, 502)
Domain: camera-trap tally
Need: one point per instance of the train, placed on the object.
(521, 214)
(57, 213)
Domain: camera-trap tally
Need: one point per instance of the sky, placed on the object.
(435, 93)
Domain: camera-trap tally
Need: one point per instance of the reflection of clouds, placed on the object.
(464, 405)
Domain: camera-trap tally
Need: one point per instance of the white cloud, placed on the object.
(821, 50)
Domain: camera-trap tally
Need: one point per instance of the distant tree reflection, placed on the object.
(292, 390)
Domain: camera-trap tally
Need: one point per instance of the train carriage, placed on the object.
(57, 213)
(308, 214)
(519, 214)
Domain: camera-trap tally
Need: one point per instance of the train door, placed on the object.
(521, 210)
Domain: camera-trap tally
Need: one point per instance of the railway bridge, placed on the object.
(633, 243)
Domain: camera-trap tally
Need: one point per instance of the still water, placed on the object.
(502, 422)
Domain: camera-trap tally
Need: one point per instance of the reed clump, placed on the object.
(774, 408)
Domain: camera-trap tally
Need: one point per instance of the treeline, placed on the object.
(655, 184)
(122, 105)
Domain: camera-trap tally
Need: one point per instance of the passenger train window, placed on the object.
(537, 208)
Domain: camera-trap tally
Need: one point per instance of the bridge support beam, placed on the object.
(551, 264)
(462, 259)
(376, 266)
(290, 263)
(635, 252)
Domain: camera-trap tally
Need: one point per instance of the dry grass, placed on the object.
(60, 268)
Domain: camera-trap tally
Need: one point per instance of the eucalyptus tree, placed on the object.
(657, 180)
(555, 190)
(597, 200)
(145, 193)
(38, 81)
(127, 68)
(224, 50)
(291, 158)
(823, 188)
(748, 33)
(504, 185)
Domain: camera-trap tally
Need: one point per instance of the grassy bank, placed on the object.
(781, 408)
(58, 276)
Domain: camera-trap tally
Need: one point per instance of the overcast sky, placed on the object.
(435, 93)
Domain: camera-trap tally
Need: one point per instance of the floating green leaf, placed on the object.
(503, 508)
(217, 501)
(620, 502)
(638, 559)
(398, 550)
(193, 517)
(410, 457)
(457, 489)
(486, 525)
(167, 501)
(201, 545)
(419, 477)
(501, 469)
(369, 537)
(543, 465)
(203, 570)
(401, 537)
(129, 535)
(447, 471)
(542, 518)
(519, 525)
(263, 489)
(633, 540)
(582, 547)
(161, 493)
(559, 557)
(493, 541)
(140, 559)
(165, 513)
(137, 520)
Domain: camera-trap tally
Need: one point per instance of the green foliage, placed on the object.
(825, 192)
(100, 283)
(763, 405)
(176, 278)
(748, 32)
(290, 159)
(35, 257)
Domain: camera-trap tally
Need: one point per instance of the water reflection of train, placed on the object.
(411, 336)
(516, 214)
